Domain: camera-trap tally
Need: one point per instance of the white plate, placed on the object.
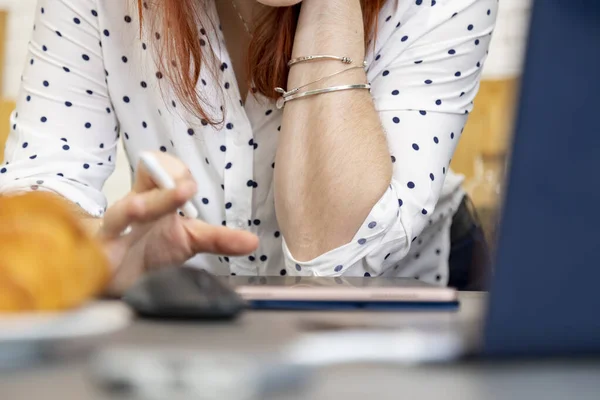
(94, 319)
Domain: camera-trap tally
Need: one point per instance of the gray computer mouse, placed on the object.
(183, 293)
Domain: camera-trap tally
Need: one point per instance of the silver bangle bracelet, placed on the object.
(282, 100)
(287, 94)
(345, 60)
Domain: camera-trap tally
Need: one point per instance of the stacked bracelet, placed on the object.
(293, 61)
(286, 94)
(282, 100)
(293, 94)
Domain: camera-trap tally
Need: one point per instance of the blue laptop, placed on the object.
(545, 295)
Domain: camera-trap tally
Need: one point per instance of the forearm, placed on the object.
(333, 162)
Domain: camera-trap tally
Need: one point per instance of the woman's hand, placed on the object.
(159, 237)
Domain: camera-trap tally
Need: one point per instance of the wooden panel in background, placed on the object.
(6, 108)
(482, 151)
(489, 128)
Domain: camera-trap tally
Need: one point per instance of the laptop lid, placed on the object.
(545, 297)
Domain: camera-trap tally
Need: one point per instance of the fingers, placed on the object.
(173, 166)
(147, 202)
(207, 238)
(145, 207)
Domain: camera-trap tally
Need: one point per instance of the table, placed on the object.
(268, 331)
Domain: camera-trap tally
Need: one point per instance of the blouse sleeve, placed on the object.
(424, 77)
(63, 132)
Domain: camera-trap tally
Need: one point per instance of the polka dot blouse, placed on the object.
(91, 80)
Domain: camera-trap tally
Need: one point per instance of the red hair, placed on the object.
(181, 47)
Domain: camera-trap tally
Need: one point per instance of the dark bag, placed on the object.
(470, 260)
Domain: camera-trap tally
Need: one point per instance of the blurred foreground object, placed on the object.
(150, 373)
(48, 262)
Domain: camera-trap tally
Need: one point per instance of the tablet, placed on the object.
(318, 293)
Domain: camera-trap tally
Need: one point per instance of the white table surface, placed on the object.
(268, 331)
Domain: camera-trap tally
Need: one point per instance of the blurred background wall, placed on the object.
(15, 31)
(482, 151)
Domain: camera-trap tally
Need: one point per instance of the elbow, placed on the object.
(322, 218)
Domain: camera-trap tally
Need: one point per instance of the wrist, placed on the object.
(330, 26)
(333, 27)
(128, 265)
(315, 12)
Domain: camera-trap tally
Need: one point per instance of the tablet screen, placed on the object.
(338, 289)
(317, 281)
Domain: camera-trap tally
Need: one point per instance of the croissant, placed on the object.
(48, 262)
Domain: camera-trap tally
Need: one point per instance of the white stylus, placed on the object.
(164, 181)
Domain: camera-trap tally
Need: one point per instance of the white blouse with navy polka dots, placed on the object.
(90, 80)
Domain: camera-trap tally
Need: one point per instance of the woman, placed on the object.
(350, 182)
